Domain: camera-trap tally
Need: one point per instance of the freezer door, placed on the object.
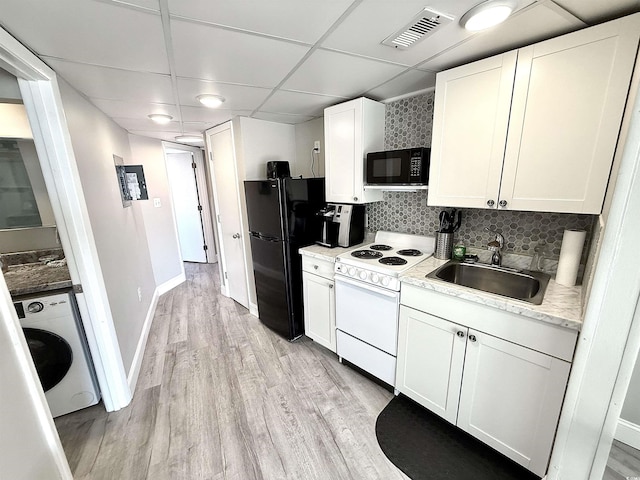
(264, 207)
(271, 285)
(303, 199)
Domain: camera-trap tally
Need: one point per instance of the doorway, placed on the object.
(189, 191)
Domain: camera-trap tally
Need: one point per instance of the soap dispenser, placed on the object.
(540, 253)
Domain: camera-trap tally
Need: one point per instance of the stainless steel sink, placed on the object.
(519, 284)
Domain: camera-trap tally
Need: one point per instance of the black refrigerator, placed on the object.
(282, 218)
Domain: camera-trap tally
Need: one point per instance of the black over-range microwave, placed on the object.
(409, 166)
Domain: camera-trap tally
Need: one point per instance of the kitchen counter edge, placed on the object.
(326, 253)
(561, 305)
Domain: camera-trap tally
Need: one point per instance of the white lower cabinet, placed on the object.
(319, 302)
(505, 394)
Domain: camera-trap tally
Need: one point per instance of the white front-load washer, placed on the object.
(57, 344)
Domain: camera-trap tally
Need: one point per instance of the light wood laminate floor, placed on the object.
(623, 463)
(222, 397)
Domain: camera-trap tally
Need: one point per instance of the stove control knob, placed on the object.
(362, 275)
(352, 271)
(385, 281)
(375, 278)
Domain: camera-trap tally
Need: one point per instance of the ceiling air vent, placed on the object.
(426, 23)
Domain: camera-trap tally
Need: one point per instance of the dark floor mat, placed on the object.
(426, 447)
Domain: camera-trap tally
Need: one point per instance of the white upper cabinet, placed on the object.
(545, 141)
(351, 130)
(471, 117)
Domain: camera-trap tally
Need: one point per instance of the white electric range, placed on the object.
(368, 299)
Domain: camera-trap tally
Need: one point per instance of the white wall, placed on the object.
(306, 134)
(264, 142)
(159, 222)
(120, 233)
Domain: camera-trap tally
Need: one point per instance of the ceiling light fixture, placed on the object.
(161, 118)
(189, 138)
(211, 101)
(486, 15)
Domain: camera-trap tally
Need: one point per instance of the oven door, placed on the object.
(368, 313)
(392, 167)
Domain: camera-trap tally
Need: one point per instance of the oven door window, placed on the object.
(368, 313)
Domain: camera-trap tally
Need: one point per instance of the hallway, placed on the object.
(220, 396)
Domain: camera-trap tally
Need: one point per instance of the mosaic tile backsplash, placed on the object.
(408, 123)
(408, 213)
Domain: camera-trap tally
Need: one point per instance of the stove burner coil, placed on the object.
(409, 252)
(380, 247)
(366, 254)
(392, 261)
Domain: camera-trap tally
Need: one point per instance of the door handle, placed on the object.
(235, 235)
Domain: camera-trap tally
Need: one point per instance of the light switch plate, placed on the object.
(157, 203)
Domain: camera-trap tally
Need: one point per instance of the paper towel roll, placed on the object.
(570, 254)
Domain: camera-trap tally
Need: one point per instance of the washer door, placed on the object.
(51, 354)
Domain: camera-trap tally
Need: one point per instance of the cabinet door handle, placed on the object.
(331, 285)
(472, 338)
(503, 203)
(235, 235)
(315, 266)
(355, 199)
(460, 334)
(490, 203)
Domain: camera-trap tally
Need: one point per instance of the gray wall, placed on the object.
(120, 233)
(159, 223)
(631, 407)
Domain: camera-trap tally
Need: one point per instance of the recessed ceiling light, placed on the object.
(487, 15)
(211, 101)
(160, 117)
(189, 138)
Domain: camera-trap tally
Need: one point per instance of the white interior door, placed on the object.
(186, 202)
(227, 200)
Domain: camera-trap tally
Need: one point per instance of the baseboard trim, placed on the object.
(628, 433)
(134, 371)
(253, 309)
(171, 284)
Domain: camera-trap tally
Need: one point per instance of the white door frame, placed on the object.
(610, 338)
(203, 191)
(43, 102)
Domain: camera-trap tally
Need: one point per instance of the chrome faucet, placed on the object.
(496, 245)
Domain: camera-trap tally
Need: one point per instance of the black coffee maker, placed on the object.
(329, 228)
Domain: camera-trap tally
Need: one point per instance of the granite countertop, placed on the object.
(29, 278)
(561, 305)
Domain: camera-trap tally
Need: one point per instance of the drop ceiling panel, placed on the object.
(148, 4)
(411, 81)
(211, 53)
(373, 21)
(594, 11)
(128, 109)
(210, 115)
(147, 125)
(337, 74)
(282, 118)
(297, 103)
(236, 96)
(114, 84)
(302, 20)
(529, 26)
(90, 32)
(168, 136)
